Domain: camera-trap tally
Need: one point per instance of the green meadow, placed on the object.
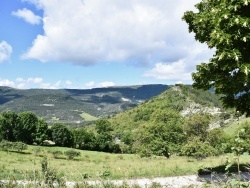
(92, 165)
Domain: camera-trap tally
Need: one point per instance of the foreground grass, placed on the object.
(99, 165)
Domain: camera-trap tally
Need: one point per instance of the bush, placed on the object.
(219, 140)
(198, 149)
(71, 154)
(5, 146)
(19, 146)
(56, 153)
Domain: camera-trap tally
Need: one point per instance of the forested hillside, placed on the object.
(180, 99)
(180, 121)
(161, 124)
(74, 106)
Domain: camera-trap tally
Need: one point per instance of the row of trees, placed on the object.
(26, 127)
(169, 133)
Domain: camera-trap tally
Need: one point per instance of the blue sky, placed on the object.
(96, 43)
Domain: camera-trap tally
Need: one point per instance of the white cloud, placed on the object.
(28, 16)
(106, 84)
(58, 83)
(49, 85)
(20, 80)
(180, 71)
(5, 51)
(92, 84)
(35, 80)
(6, 82)
(175, 72)
(68, 82)
(95, 31)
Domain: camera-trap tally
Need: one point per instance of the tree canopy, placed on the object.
(224, 26)
(61, 135)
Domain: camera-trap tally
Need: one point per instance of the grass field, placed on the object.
(99, 165)
(88, 117)
(232, 129)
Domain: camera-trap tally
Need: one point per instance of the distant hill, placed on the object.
(76, 105)
(180, 99)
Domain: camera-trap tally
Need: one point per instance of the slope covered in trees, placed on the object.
(162, 124)
(75, 106)
(179, 99)
(156, 127)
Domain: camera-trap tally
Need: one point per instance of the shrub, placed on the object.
(56, 153)
(198, 149)
(5, 146)
(71, 154)
(19, 146)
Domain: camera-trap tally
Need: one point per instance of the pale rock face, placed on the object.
(197, 108)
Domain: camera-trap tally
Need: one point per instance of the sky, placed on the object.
(82, 44)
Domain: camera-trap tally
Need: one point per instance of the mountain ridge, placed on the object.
(74, 105)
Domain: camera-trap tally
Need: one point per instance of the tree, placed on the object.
(84, 139)
(243, 133)
(61, 135)
(26, 127)
(197, 126)
(8, 122)
(102, 126)
(3, 129)
(41, 133)
(225, 27)
(165, 135)
(104, 138)
(216, 137)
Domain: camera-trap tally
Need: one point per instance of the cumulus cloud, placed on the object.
(106, 84)
(5, 51)
(36, 82)
(6, 82)
(175, 72)
(92, 84)
(46, 85)
(141, 32)
(180, 71)
(28, 16)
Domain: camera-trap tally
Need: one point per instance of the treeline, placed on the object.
(27, 128)
(168, 134)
